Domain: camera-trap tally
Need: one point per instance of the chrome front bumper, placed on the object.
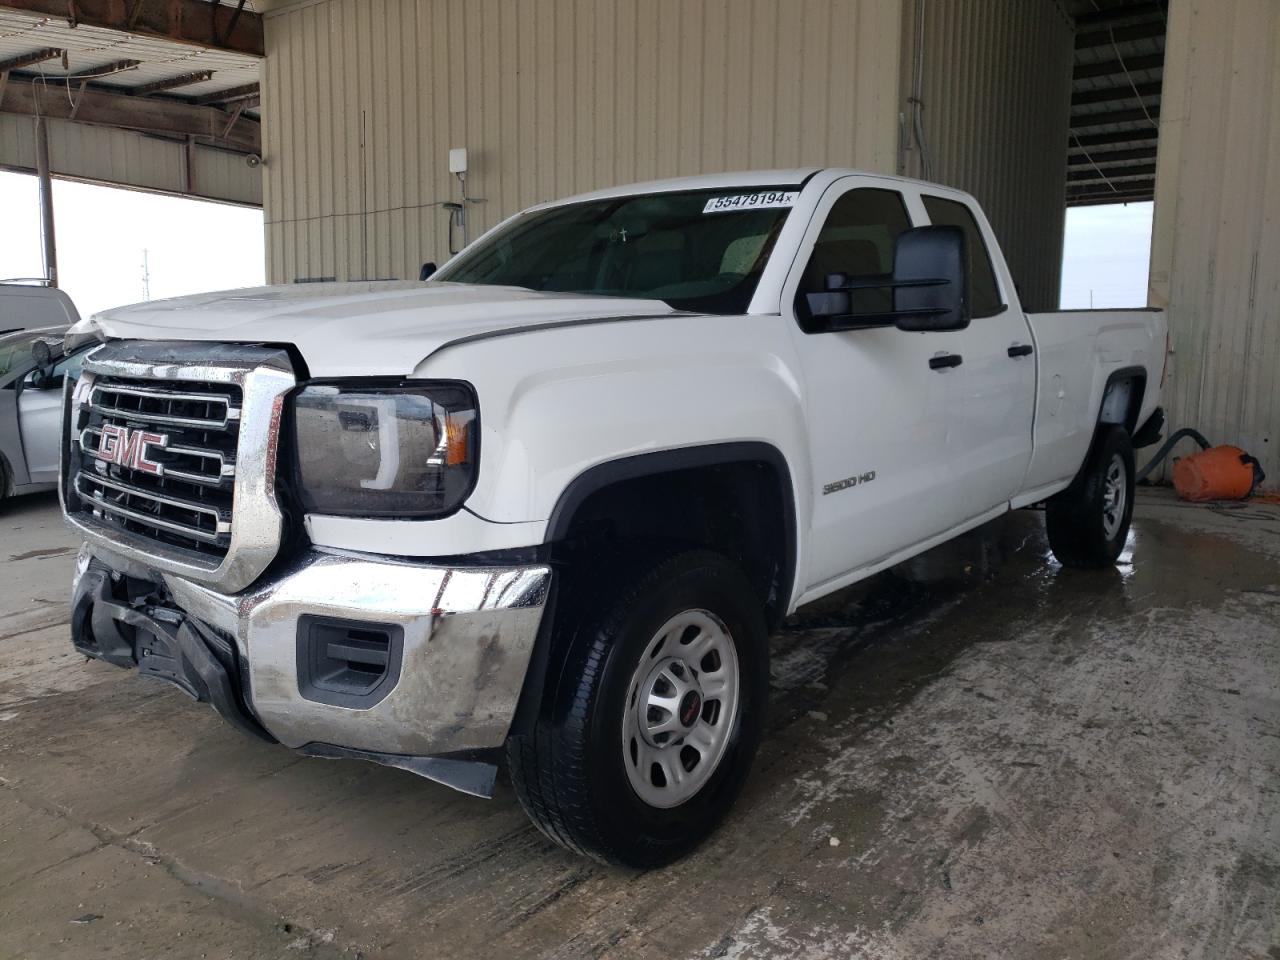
(466, 635)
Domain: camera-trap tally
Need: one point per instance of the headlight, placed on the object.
(407, 449)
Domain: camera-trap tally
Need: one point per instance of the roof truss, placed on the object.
(205, 23)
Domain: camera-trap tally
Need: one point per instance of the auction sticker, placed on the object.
(751, 201)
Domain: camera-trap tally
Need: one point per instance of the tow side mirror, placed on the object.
(931, 280)
(45, 353)
(428, 269)
(930, 284)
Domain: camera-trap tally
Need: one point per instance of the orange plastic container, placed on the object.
(1219, 473)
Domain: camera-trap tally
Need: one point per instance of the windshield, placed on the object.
(700, 250)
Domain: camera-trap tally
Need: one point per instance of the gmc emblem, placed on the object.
(128, 448)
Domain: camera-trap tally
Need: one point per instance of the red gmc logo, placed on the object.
(128, 448)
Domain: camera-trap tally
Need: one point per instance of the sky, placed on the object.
(192, 246)
(1105, 256)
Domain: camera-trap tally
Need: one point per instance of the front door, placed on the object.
(881, 417)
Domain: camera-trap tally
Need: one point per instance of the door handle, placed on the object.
(944, 360)
(1021, 350)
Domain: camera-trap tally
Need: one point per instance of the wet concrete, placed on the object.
(981, 754)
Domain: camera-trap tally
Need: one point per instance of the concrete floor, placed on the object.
(996, 757)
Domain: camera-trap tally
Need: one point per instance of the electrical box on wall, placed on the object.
(458, 160)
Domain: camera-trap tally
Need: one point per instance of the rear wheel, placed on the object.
(655, 718)
(1088, 522)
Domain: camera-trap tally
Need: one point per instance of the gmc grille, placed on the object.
(169, 458)
(178, 490)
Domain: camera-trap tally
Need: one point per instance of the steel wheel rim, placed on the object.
(1115, 495)
(681, 709)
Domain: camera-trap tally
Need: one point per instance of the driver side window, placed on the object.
(857, 239)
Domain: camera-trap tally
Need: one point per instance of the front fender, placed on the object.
(556, 403)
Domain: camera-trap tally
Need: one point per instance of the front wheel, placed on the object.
(655, 718)
(1088, 522)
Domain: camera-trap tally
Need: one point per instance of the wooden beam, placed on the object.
(100, 71)
(1102, 190)
(1135, 31)
(1120, 11)
(1103, 159)
(1115, 94)
(1112, 137)
(246, 91)
(195, 22)
(1104, 199)
(1112, 68)
(1080, 121)
(147, 115)
(27, 59)
(1090, 175)
(157, 86)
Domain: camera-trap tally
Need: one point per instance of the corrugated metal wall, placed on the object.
(363, 98)
(107, 155)
(1215, 258)
(997, 98)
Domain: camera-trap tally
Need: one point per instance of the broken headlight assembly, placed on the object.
(403, 449)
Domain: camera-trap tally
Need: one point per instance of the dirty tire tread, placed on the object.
(1073, 518)
(550, 766)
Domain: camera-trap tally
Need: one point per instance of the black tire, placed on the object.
(1085, 527)
(570, 772)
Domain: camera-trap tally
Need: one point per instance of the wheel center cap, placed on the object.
(690, 708)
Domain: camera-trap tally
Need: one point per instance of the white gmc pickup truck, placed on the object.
(549, 503)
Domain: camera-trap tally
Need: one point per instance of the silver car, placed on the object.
(31, 411)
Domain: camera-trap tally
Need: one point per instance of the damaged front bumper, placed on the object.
(411, 665)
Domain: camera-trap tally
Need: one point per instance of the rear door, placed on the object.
(991, 448)
(880, 417)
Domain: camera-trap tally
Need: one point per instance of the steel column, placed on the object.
(46, 202)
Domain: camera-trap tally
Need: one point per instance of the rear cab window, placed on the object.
(984, 291)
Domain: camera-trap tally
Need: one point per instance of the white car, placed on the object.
(549, 504)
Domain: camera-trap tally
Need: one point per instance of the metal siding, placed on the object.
(362, 100)
(127, 159)
(1216, 242)
(997, 98)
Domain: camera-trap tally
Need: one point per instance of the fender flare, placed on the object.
(603, 475)
(596, 478)
(1130, 422)
(1135, 409)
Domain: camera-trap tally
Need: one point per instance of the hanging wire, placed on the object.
(1128, 76)
(1094, 163)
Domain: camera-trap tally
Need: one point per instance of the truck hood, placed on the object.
(363, 329)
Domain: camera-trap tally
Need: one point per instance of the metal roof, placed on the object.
(1115, 100)
(91, 50)
(187, 68)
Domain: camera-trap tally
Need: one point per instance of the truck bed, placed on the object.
(1078, 352)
